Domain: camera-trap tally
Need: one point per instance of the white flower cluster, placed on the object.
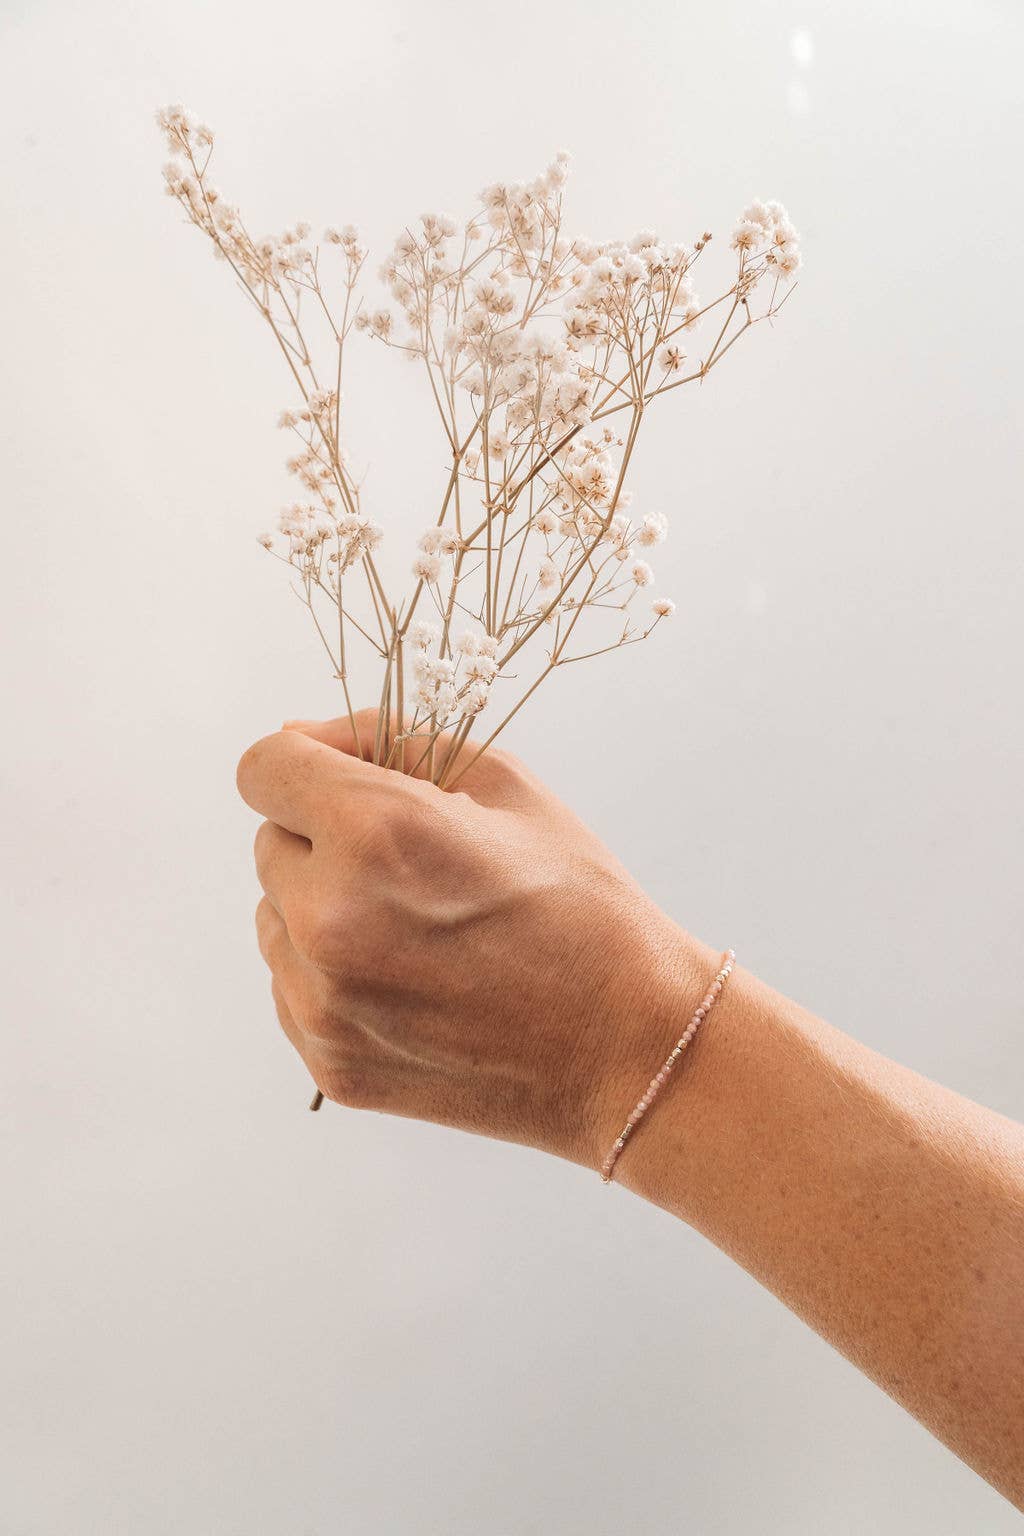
(311, 533)
(543, 355)
(268, 259)
(617, 284)
(523, 213)
(764, 231)
(573, 524)
(434, 545)
(457, 685)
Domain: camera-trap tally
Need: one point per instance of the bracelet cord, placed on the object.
(661, 1077)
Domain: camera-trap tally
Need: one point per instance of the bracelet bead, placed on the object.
(659, 1079)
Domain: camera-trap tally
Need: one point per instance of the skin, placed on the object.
(480, 959)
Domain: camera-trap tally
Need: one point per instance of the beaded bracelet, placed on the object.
(660, 1078)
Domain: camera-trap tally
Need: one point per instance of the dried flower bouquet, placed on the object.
(542, 354)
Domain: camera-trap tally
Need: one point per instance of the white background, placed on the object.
(227, 1317)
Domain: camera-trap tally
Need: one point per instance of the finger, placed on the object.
(272, 937)
(354, 734)
(492, 777)
(284, 1014)
(296, 781)
(418, 756)
(286, 967)
(280, 858)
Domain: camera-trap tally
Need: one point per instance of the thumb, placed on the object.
(355, 735)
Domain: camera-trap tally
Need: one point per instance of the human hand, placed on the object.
(476, 958)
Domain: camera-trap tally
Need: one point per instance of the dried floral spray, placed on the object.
(542, 354)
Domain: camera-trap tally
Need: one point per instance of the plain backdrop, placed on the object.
(223, 1316)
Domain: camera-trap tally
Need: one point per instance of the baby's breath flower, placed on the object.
(423, 634)
(758, 213)
(523, 338)
(547, 575)
(427, 567)
(653, 529)
(747, 235)
(671, 358)
(482, 669)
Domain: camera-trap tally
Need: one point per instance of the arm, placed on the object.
(884, 1210)
(481, 960)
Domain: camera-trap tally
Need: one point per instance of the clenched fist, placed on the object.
(475, 958)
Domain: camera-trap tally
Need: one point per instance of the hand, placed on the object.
(475, 958)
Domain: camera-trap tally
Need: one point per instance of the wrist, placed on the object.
(662, 975)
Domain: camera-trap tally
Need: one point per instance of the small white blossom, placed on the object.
(747, 236)
(423, 634)
(663, 606)
(641, 573)
(653, 529)
(758, 214)
(482, 669)
(427, 567)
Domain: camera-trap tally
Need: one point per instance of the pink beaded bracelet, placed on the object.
(660, 1078)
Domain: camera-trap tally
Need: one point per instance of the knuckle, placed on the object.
(284, 1014)
(248, 766)
(319, 1019)
(376, 842)
(348, 1086)
(512, 782)
(261, 844)
(394, 829)
(314, 935)
(269, 933)
(509, 767)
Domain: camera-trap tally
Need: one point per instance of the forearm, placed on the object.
(885, 1210)
(481, 960)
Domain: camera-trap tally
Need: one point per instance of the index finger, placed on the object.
(292, 780)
